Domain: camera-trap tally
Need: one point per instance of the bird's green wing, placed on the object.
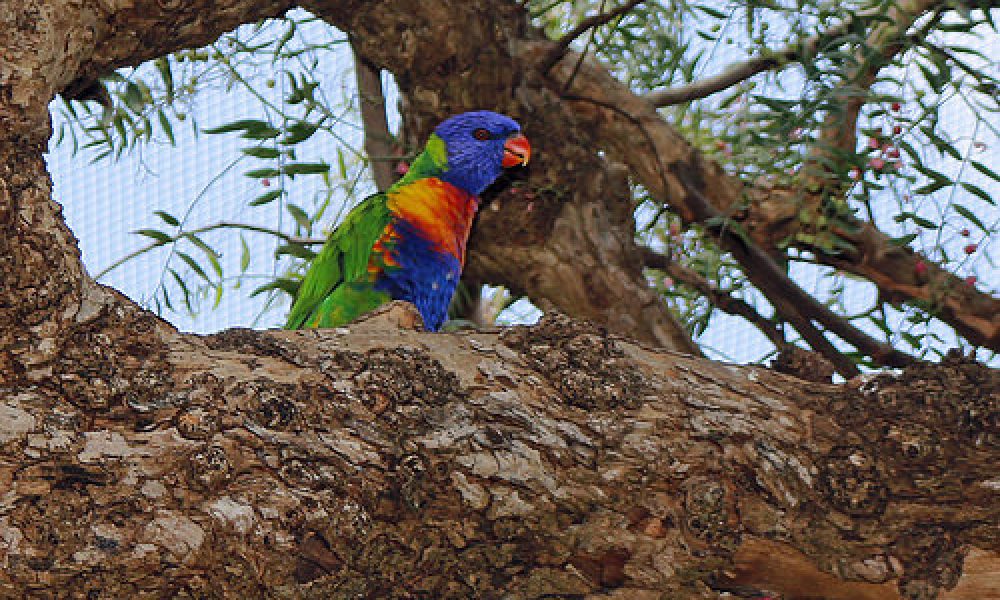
(336, 290)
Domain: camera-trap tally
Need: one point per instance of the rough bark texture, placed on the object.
(550, 461)
(377, 461)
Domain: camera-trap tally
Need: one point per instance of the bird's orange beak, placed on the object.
(516, 151)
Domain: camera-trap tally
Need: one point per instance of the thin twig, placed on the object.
(722, 300)
(562, 44)
(583, 54)
(291, 239)
(745, 70)
(789, 299)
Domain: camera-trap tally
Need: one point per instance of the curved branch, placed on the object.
(562, 44)
(738, 72)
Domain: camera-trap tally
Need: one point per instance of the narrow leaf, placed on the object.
(167, 217)
(265, 198)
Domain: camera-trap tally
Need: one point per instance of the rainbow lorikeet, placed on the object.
(408, 243)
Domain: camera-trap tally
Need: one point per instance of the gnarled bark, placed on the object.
(377, 461)
(549, 461)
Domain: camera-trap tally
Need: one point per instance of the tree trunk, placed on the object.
(378, 461)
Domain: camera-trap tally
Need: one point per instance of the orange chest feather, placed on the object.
(437, 211)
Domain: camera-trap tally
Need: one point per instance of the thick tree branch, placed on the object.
(378, 140)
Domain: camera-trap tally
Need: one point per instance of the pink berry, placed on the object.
(920, 268)
(402, 167)
(877, 164)
(874, 143)
(892, 152)
(855, 174)
(896, 106)
(970, 248)
(971, 280)
(965, 233)
(897, 129)
(265, 182)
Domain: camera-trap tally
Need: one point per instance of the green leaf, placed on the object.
(261, 152)
(300, 216)
(971, 216)
(213, 256)
(289, 286)
(194, 265)
(265, 198)
(939, 143)
(341, 164)
(251, 128)
(903, 240)
(244, 254)
(932, 187)
(184, 288)
(985, 170)
(712, 12)
(218, 296)
(262, 173)
(911, 339)
(163, 66)
(159, 236)
(167, 128)
(296, 250)
(293, 169)
(133, 97)
(167, 217)
(298, 132)
(261, 134)
(978, 191)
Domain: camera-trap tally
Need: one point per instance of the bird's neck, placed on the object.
(432, 162)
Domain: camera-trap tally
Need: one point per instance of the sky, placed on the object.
(200, 181)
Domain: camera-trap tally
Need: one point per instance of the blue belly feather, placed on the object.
(425, 277)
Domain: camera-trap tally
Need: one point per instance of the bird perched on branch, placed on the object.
(408, 243)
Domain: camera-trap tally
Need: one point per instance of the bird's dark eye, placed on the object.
(482, 134)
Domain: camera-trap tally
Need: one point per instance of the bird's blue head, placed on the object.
(479, 145)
